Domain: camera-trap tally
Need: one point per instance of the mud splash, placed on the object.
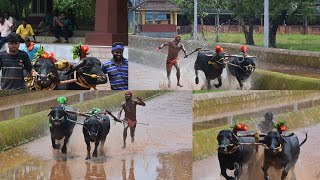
(162, 150)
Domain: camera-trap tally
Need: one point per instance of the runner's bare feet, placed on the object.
(124, 146)
(179, 85)
(132, 139)
(169, 84)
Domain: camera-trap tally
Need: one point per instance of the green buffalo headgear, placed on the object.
(62, 100)
(95, 111)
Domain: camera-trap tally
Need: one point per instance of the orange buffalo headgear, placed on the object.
(219, 49)
(243, 49)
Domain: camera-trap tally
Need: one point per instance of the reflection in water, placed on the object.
(131, 170)
(60, 171)
(175, 166)
(95, 171)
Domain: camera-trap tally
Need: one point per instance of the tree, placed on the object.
(204, 7)
(282, 9)
(247, 12)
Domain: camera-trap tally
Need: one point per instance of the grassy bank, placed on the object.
(268, 80)
(205, 142)
(21, 130)
(205, 91)
(287, 41)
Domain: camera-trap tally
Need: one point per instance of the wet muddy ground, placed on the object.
(162, 150)
(152, 64)
(307, 167)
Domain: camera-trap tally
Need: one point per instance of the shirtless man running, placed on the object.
(174, 48)
(129, 107)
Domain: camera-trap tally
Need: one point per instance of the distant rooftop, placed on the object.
(158, 5)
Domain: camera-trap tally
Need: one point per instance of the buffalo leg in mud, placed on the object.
(54, 145)
(64, 147)
(88, 148)
(265, 171)
(220, 82)
(237, 171)
(95, 153)
(176, 65)
(224, 174)
(285, 171)
(197, 78)
(208, 84)
(240, 83)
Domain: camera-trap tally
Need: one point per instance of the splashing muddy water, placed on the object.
(162, 150)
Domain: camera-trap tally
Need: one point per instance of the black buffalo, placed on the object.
(232, 155)
(281, 152)
(96, 129)
(61, 126)
(88, 74)
(241, 68)
(47, 77)
(211, 71)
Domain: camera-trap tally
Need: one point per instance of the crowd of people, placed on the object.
(58, 24)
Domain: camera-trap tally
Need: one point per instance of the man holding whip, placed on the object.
(129, 107)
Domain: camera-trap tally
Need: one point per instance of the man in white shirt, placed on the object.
(9, 18)
(5, 30)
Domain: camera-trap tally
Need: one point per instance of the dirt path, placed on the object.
(162, 150)
(307, 166)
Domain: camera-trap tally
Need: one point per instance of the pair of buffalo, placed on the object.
(86, 74)
(238, 66)
(62, 122)
(281, 151)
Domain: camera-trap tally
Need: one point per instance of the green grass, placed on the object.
(205, 91)
(205, 142)
(267, 80)
(21, 130)
(288, 41)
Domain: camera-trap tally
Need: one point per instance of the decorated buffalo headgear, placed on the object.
(80, 50)
(42, 54)
(281, 126)
(62, 100)
(219, 49)
(95, 111)
(243, 49)
(117, 46)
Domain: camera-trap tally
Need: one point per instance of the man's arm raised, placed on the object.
(140, 101)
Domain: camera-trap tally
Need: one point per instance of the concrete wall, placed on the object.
(282, 56)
